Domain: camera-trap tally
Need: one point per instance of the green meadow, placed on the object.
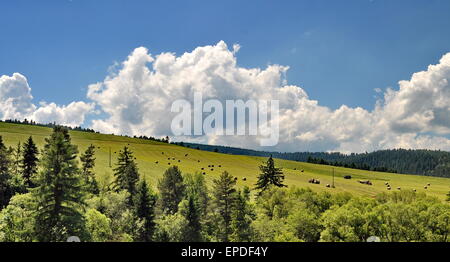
(154, 158)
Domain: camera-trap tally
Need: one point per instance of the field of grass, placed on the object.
(148, 153)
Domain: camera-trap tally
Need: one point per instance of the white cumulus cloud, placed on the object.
(16, 103)
(138, 98)
(137, 94)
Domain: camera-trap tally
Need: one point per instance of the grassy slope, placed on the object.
(148, 152)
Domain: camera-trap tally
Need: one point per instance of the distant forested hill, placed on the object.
(420, 162)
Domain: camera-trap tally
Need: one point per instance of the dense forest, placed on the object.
(405, 161)
(51, 193)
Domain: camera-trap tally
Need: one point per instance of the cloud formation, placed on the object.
(16, 103)
(136, 99)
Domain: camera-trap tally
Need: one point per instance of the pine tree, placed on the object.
(192, 215)
(59, 192)
(270, 175)
(5, 175)
(88, 164)
(171, 190)
(242, 217)
(145, 210)
(17, 183)
(17, 156)
(196, 187)
(224, 194)
(29, 162)
(126, 173)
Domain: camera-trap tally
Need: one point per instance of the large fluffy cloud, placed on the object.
(15, 97)
(138, 97)
(16, 103)
(422, 104)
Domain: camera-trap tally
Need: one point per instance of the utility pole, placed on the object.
(110, 157)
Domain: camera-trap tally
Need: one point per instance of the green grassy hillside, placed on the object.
(148, 153)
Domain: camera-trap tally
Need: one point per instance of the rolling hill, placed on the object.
(154, 158)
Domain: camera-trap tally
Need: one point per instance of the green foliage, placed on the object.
(18, 219)
(304, 224)
(171, 190)
(270, 175)
(348, 223)
(98, 226)
(145, 210)
(59, 193)
(171, 228)
(17, 183)
(87, 170)
(6, 191)
(242, 218)
(126, 173)
(125, 225)
(274, 203)
(191, 212)
(29, 162)
(55, 208)
(224, 200)
(196, 188)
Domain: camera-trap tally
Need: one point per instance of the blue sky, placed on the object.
(338, 51)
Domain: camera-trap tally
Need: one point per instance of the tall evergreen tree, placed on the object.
(5, 175)
(87, 170)
(171, 190)
(192, 214)
(17, 183)
(126, 173)
(59, 192)
(224, 194)
(29, 162)
(242, 217)
(16, 161)
(145, 210)
(196, 187)
(270, 175)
